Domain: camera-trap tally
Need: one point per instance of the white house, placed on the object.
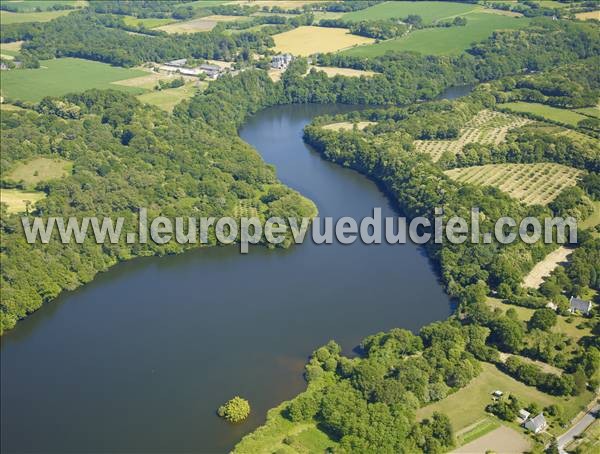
(281, 61)
(579, 305)
(537, 424)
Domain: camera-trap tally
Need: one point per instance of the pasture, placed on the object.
(589, 111)
(551, 113)
(430, 11)
(308, 40)
(532, 184)
(17, 200)
(28, 6)
(149, 22)
(65, 75)
(40, 169)
(347, 126)
(6, 17)
(444, 41)
(169, 98)
(10, 50)
(487, 127)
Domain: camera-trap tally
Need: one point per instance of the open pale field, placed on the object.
(64, 75)
(503, 439)
(333, 71)
(549, 112)
(40, 169)
(444, 41)
(487, 127)
(6, 17)
(532, 184)
(150, 80)
(11, 49)
(543, 269)
(286, 4)
(310, 40)
(589, 15)
(202, 24)
(169, 98)
(430, 11)
(16, 200)
(347, 126)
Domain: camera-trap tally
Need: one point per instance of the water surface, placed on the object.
(139, 359)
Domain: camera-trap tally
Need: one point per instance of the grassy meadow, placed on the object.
(149, 22)
(444, 41)
(167, 99)
(64, 75)
(307, 40)
(430, 11)
(28, 6)
(551, 113)
(7, 17)
(40, 169)
(16, 200)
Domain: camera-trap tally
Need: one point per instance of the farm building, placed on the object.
(537, 424)
(211, 71)
(281, 61)
(180, 70)
(178, 63)
(579, 305)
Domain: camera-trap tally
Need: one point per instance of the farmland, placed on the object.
(149, 22)
(487, 127)
(589, 111)
(530, 183)
(444, 41)
(430, 11)
(64, 75)
(167, 99)
(347, 126)
(6, 17)
(29, 6)
(589, 15)
(543, 268)
(203, 24)
(551, 113)
(10, 50)
(348, 72)
(40, 169)
(502, 439)
(307, 40)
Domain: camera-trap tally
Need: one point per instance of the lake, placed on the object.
(140, 359)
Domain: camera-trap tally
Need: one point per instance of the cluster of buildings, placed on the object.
(536, 424)
(281, 61)
(180, 67)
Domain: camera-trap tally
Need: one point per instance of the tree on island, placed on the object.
(234, 410)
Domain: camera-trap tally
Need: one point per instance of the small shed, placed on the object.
(524, 414)
(497, 393)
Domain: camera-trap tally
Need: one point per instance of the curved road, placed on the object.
(578, 428)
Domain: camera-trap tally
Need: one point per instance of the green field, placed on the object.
(444, 41)
(7, 17)
(29, 6)
(467, 405)
(64, 75)
(40, 169)
(149, 22)
(589, 111)
(478, 431)
(429, 11)
(548, 112)
(169, 98)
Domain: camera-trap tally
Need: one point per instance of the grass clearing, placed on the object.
(16, 200)
(64, 75)
(332, 71)
(543, 268)
(594, 219)
(589, 111)
(476, 431)
(285, 4)
(6, 17)
(430, 11)
(11, 48)
(444, 41)
(40, 169)
(149, 22)
(532, 184)
(308, 40)
(202, 24)
(467, 406)
(551, 113)
(169, 98)
(28, 6)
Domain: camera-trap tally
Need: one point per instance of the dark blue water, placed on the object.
(139, 360)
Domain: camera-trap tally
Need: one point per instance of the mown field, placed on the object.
(589, 111)
(202, 24)
(444, 41)
(532, 184)
(169, 98)
(307, 40)
(149, 22)
(39, 169)
(589, 15)
(551, 113)
(31, 5)
(430, 11)
(6, 17)
(17, 200)
(64, 75)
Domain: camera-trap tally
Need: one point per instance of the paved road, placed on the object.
(578, 428)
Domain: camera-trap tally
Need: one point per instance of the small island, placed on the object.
(234, 410)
